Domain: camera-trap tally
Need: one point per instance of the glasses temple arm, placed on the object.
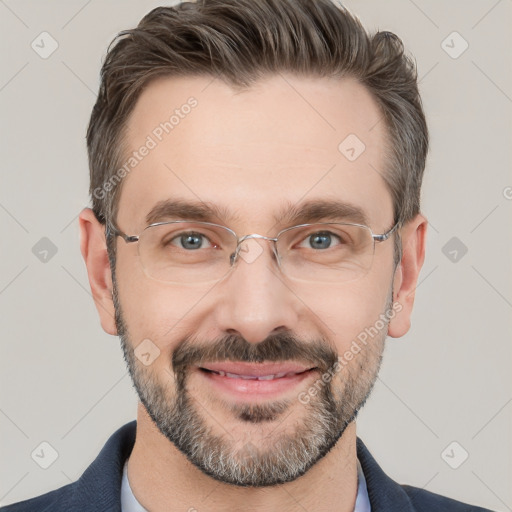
(111, 230)
(385, 236)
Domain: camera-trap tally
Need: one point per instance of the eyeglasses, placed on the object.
(183, 252)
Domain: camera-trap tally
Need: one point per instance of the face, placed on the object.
(253, 155)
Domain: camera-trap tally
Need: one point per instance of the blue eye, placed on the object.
(321, 240)
(190, 241)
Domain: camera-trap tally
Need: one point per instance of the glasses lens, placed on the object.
(326, 252)
(186, 252)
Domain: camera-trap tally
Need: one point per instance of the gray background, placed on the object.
(63, 379)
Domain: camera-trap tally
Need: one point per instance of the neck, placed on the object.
(162, 478)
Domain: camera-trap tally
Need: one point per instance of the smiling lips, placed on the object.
(256, 371)
(255, 381)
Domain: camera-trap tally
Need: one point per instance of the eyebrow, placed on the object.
(180, 209)
(314, 210)
(317, 210)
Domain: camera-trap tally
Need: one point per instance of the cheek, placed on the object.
(160, 312)
(342, 312)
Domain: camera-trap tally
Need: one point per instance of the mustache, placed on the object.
(279, 347)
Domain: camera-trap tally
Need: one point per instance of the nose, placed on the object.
(256, 299)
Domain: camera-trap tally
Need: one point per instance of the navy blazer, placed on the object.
(99, 488)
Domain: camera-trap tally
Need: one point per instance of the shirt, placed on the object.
(129, 502)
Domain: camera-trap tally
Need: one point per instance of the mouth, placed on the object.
(255, 380)
(253, 377)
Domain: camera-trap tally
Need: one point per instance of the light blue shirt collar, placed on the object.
(362, 498)
(129, 502)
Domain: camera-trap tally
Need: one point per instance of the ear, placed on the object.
(94, 251)
(413, 237)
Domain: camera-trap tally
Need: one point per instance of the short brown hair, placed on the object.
(240, 41)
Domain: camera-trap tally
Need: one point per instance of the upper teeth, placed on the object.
(252, 377)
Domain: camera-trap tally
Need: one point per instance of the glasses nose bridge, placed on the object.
(234, 256)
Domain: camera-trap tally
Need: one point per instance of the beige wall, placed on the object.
(63, 380)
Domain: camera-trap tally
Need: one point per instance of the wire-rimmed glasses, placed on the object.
(187, 252)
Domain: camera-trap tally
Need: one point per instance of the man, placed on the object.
(256, 168)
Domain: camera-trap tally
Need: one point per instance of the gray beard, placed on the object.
(283, 455)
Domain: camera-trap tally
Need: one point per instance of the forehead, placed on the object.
(283, 141)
